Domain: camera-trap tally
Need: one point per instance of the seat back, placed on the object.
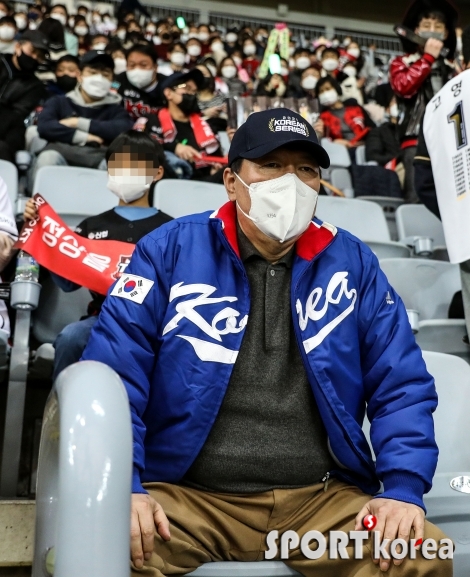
(75, 193)
(362, 218)
(182, 197)
(341, 178)
(9, 173)
(57, 309)
(384, 250)
(426, 286)
(417, 220)
(361, 155)
(338, 153)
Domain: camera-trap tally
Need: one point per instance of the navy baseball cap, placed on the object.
(179, 78)
(265, 131)
(97, 57)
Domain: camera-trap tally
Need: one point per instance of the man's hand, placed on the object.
(30, 210)
(433, 47)
(94, 138)
(395, 519)
(146, 515)
(69, 122)
(186, 152)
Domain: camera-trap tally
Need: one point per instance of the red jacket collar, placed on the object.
(317, 236)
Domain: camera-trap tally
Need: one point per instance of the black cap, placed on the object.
(181, 78)
(265, 131)
(37, 39)
(97, 57)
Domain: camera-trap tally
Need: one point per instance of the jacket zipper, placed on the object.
(325, 480)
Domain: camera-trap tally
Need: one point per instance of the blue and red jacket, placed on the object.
(175, 352)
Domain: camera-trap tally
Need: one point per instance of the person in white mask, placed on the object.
(228, 75)
(345, 122)
(330, 61)
(79, 126)
(302, 60)
(176, 60)
(5, 9)
(258, 339)
(308, 82)
(59, 12)
(138, 85)
(135, 165)
(194, 51)
(8, 31)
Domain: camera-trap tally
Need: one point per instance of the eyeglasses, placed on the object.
(186, 88)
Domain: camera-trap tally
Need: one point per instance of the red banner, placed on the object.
(94, 264)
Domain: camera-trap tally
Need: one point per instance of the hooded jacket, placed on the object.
(173, 325)
(105, 118)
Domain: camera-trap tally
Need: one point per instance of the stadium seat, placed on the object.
(338, 153)
(384, 250)
(9, 173)
(389, 206)
(415, 220)
(73, 192)
(446, 507)
(247, 569)
(444, 336)
(341, 178)
(182, 197)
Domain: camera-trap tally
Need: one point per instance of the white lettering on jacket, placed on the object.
(336, 289)
(206, 350)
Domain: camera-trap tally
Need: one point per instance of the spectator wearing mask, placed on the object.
(228, 74)
(301, 63)
(285, 70)
(67, 72)
(176, 60)
(99, 42)
(383, 142)
(345, 123)
(79, 126)
(21, 19)
(353, 54)
(119, 56)
(250, 61)
(20, 90)
(82, 32)
(150, 31)
(211, 102)
(121, 32)
(231, 41)
(8, 31)
(138, 86)
(165, 40)
(421, 72)
(59, 12)
(180, 127)
(330, 61)
(217, 51)
(204, 36)
(135, 165)
(308, 82)
(194, 50)
(261, 37)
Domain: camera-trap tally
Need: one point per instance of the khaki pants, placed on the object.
(232, 527)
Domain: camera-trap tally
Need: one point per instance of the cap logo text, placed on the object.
(288, 124)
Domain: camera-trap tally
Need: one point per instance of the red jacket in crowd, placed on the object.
(408, 73)
(354, 117)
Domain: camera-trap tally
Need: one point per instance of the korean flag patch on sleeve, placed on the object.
(132, 287)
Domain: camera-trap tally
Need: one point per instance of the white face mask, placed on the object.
(96, 86)
(217, 47)
(281, 208)
(302, 62)
(309, 82)
(129, 186)
(121, 34)
(194, 50)
(354, 52)
(249, 49)
(99, 46)
(120, 65)
(60, 18)
(21, 22)
(203, 36)
(237, 60)
(330, 64)
(231, 37)
(7, 33)
(350, 71)
(328, 98)
(394, 111)
(229, 71)
(291, 50)
(177, 58)
(284, 71)
(81, 30)
(140, 78)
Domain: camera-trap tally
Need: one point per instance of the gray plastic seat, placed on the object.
(390, 249)
(415, 220)
(447, 508)
(75, 193)
(183, 197)
(389, 206)
(341, 178)
(444, 336)
(9, 173)
(338, 153)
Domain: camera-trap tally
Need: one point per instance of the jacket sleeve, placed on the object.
(375, 148)
(126, 325)
(118, 122)
(400, 393)
(406, 79)
(49, 126)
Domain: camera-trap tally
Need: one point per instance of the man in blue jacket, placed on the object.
(79, 125)
(250, 341)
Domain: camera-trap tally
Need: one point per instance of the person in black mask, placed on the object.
(67, 71)
(180, 127)
(20, 90)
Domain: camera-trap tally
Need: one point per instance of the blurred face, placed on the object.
(325, 88)
(138, 60)
(90, 71)
(432, 25)
(28, 49)
(99, 43)
(67, 69)
(4, 9)
(7, 32)
(129, 163)
(59, 10)
(133, 27)
(175, 94)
